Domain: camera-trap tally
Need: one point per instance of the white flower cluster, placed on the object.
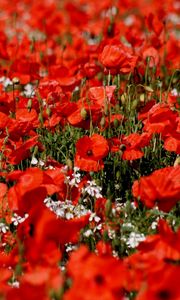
(66, 209)
(36, 162)
(96, 219)
(29, 90)
(76, 178)
(92, 189)
(134, 239)
(70, 247)
(5, 81)
(3, 228)
(16, 220)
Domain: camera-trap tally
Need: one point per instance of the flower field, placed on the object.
(89, 150)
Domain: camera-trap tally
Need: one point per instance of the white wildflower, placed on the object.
(3, 228)
(134, 239)
(88, 233)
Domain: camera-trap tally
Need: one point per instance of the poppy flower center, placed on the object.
(99, 279)
(31, 230)
(89, 153)
(164, 295)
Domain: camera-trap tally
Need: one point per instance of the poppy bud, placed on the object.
(108, 208)
(41, 118)
(35, 150)
(142, 98)
(29, 104)
(69, 163)
(116, 123)
(48, 111)
(123, 98)
(118, 174)
(134, 104)
(148, 89)
(103, 122)
(106, 109)
(84, 114)
(177, 162)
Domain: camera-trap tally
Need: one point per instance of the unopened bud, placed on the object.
(142, 98)
(177, 162)
(69, 163)
(103, 121)
(29, 104)
(148, 89)
(108, 208)
(48, 111)
(123, 98)
(116, 123)
(84, 114)
(134, 104)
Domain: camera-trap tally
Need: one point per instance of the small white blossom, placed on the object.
(154, 225)
(66, 209)
(92, 189)
(29, 90)
(18, 219)
(3, 228)
(15, 284)
(134, 239)
(88, 233)
(34, 161)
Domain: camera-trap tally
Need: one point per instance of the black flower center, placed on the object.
(99, 279)
(89, 153)
(164, 295)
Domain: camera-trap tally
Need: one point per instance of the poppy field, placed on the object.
(89, 150)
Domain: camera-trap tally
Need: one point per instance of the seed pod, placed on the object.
(16, 80)
(122, 147)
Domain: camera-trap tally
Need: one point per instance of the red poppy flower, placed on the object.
(22, 152)
(172, 143)
(153, 55)
(3, 200)
(161, 119)
(42, 230)
(84, 115)
(90, 151)
(154, 23)
(130, 146)
(162, 187)
(102, 95)
(166, 288)
(94, 273)
(32, 186)
(115, 57)
(165, 244)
